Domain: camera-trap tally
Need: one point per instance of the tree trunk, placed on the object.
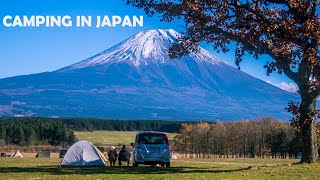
(308, 129)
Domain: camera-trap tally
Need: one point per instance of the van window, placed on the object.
(153, 139)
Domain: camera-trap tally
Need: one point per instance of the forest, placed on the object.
(34, 131)
(85, 124)
(59, 131)
(260, 137)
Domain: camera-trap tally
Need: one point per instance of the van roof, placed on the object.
(151, 132)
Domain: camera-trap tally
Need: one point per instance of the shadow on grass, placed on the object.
(114, 170)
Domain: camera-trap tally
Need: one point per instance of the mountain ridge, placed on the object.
(135, 79)
(141, 47)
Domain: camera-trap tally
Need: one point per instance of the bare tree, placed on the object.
(255, 138)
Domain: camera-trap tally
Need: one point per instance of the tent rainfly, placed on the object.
(17, 154)
(83, 153)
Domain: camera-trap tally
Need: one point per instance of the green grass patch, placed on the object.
(252, 161)
(33, 168)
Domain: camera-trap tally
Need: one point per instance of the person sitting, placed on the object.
(124, 155)
(112, 154)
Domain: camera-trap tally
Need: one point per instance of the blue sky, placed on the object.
(27, 50)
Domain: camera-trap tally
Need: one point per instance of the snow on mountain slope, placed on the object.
(136, 79)
(146, 47)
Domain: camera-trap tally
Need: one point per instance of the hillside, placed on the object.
(135, 79)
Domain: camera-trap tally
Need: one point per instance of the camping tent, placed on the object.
(174, 156)
(83, 153)
(17, 154)
(44, 154)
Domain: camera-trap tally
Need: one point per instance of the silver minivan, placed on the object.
(152, 148)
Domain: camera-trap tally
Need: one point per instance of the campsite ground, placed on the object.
(47, 168)
(249, 168)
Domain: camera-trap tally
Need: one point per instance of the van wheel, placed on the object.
(135, 164)
(168, 164)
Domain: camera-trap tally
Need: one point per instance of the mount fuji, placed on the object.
(136, 79)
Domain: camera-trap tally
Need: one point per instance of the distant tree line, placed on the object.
(34, 131)
(83, 124)
(259, 137)
(59, 131)
(256, 138)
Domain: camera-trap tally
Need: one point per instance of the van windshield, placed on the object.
(152, 139)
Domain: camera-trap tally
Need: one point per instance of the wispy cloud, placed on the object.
(290, 87)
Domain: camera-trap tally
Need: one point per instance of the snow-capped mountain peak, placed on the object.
(135, 79)
(144, 48)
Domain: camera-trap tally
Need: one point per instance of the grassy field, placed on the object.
(110, 137)
(33, 168)
(217, 168)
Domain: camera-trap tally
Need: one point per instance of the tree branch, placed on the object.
(283, 2)
(264, 18)
(286, 68)
(314, 7)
